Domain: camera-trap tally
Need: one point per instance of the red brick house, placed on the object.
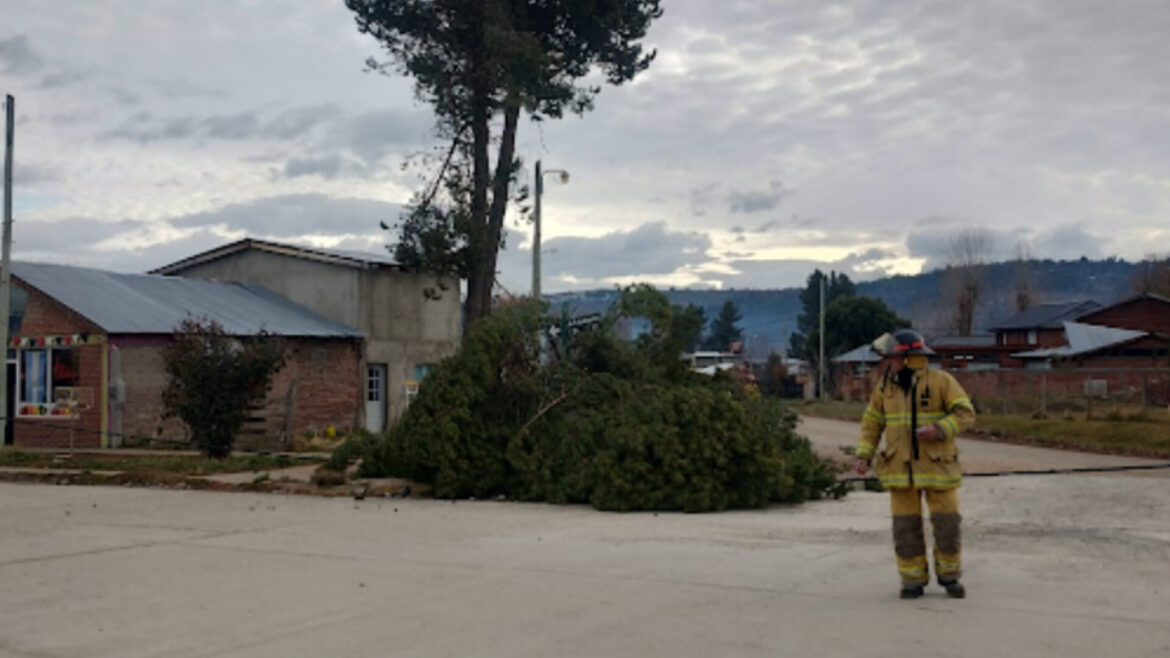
(85, 363)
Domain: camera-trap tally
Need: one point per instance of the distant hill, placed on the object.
(769, 316)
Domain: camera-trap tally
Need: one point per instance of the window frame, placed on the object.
(47, 409)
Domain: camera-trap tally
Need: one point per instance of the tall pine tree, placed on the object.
(725, 328)
(480, 64)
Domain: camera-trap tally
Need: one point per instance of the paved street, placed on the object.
(1068, 566)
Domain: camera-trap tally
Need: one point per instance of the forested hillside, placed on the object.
(769, 316)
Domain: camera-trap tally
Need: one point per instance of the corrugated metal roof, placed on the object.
(1084, 339)
(863, 354)
(987, 340)
(150, 304)
(1048, 316)
(364, 256)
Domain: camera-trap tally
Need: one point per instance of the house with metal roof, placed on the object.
(86, 356)
(1041, 325)
(411, 321)
(1083, 340)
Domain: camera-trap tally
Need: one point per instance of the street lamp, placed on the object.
(564, 175)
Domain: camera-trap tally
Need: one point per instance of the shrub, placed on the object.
(213, 377)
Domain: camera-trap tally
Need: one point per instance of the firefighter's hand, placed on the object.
(860, 466)
(929, 433)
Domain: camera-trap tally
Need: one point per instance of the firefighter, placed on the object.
(920, 411)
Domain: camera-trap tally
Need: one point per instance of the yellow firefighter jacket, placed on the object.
(935, 398)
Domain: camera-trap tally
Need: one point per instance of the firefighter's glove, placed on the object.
(931, 433)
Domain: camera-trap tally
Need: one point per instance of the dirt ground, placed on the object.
(1055, 566)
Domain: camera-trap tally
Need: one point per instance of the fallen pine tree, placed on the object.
(620, 425)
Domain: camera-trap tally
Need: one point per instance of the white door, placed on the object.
(376, 397)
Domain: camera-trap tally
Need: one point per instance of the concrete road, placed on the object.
(976, 455)
(1058, 566)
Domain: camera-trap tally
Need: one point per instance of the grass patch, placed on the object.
(836, 409)
(161, 464)
(1145, 434)
(1144, 438)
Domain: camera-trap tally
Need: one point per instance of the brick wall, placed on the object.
(1024, 390)
(329, 383)
(325, 373)
(45, 317)
(139, 369)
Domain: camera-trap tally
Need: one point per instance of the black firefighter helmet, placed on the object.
(910, 342)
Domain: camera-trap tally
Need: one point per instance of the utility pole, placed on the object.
(536, 223)
(821, 362)
(536, 234)
(6, 259)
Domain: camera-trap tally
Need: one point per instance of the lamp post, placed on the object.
(536, 224)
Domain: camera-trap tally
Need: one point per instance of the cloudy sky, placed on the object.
(768, 138)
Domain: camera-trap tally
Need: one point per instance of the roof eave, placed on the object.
(306, 253)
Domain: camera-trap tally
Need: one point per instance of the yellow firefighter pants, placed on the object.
(909, 543)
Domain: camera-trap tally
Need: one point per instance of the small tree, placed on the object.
(1025, 288)
(213, 377)
(854, 321)
(725, 328)
(776, 372)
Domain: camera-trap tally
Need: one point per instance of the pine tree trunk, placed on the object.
(481, 270)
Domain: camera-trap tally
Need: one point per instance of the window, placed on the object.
(422, 370)
(1032, 337)
(374, 386)
(43, 373)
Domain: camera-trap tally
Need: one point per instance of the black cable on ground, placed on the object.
(1049, 471)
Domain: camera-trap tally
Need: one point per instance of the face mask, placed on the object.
(917, 361)
(904, 378)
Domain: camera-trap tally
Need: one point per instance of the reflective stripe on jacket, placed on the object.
(941, 402)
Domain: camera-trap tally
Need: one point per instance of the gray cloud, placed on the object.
(175, 88)
(18, 57)
(933, 239)
(65, 77)
(244, 125)
(859, 266)
(768, 226)
(345, 145)
(34, 175)
(327, 167)
(87, 233)
(649, 249)
(1069, 241)
(373, 135)
(298, 121)
(701, 198)
(293, 123)
(296, 215)
(757, 200)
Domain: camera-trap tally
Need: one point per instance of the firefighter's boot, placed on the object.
(955, 589)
